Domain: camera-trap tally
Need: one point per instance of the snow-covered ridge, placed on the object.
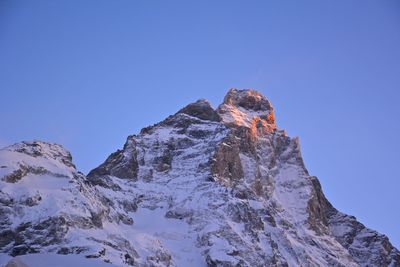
(52, 152)
(204, 187)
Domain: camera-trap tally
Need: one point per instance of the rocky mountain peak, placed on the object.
(34, 158)
(44, 150)
(201, 109)
(203, 187)
(248, 108)
(248, 99)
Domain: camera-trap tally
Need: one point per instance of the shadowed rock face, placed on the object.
(226, 166)
(201, 109)
(224, 186)
(118, 164)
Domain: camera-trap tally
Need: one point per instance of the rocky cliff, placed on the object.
(204, 187)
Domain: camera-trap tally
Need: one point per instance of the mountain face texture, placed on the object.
(204, 187)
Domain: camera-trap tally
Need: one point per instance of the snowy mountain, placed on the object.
(204, 187)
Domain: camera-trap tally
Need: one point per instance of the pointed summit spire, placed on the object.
(248, 99)
(248, 108)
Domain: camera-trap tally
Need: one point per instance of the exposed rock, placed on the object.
(118, 164)
(33, 200)
(6, 237)
(129, 206)
(24, 170)
(178, 213)
(161, 257)
(247, 99)
(164, 161)
(247, 108)
(226, 165)
(44, 149)
(15, 176)
(104, 181)
(201, 109)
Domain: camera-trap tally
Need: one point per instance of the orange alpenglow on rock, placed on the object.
(248, 108)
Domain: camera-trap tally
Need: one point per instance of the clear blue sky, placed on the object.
(88, 73)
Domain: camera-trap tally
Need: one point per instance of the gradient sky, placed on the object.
(87, 74)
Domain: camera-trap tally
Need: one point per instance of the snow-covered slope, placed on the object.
(50, 260)
(204, 187)
(46, 205)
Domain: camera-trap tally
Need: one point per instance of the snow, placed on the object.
(4, 259)
(51, 158)
(53, 260)
(174, 234)
(293, 193)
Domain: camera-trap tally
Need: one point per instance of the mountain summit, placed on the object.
(204, 187)
(247, 108)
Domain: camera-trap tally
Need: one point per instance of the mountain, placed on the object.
(204, 187)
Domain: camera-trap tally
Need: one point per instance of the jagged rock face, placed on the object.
(247, 108)
(121, 164)
(204, 187)
(50, 206)
(201, 109)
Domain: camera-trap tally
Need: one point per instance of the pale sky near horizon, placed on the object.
(86, 74)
